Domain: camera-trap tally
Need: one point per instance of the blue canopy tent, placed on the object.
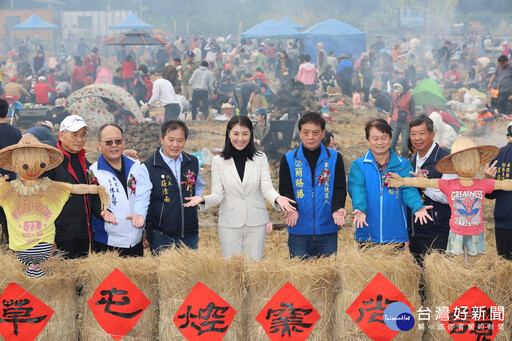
(271, 29)
(34, 23)
(131, 22)
(289, 22)
(336, 36)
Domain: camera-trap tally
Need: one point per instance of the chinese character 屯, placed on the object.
(110, 302)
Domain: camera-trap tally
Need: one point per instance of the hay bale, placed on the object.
(315, 279)
(447, 278)
(55, 290)
(357, 267)
(178, 272)
(141, 271)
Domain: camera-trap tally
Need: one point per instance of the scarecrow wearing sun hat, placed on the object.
(32, 203)
(465, 194)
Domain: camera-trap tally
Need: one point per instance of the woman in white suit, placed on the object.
(240, 184)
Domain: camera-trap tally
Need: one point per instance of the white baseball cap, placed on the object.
(73, 123)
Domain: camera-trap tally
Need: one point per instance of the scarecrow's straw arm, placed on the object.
(397, 181)
(93, 189)
(505, 185)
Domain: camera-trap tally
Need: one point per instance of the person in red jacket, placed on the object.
(128, 70)
(91, 63)
(78, 75)
(41, 89)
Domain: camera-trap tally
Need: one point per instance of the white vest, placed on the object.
(124, 234)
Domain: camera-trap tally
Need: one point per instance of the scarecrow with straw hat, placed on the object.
(32, 203)
(465, 194)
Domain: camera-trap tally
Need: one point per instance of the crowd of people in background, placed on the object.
(29, 74)
(193, 77)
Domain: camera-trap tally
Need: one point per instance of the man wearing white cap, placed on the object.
(73, 232)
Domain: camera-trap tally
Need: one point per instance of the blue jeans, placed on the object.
(161, 241)
(403, 129)
(313, 245)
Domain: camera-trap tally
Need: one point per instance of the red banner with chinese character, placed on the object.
(204, 315)
(288, 315)
(117, 304)
(367, 310)
(23, 316)
(474, 316)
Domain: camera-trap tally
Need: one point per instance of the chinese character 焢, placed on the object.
(212, 315)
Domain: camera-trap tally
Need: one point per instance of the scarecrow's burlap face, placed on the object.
(30, 163)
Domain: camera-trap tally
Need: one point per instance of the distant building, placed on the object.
(90, 24)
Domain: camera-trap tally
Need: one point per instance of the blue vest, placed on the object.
(441, 213)
(166, 212)
(314, 199)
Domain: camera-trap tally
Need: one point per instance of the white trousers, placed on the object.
(246, 239)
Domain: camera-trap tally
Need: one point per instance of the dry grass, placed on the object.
(179, 271)
(357, 267)
(55, 290)
(141, 271)
(447, 279)
(315, 279)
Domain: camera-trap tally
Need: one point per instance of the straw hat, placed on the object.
(29, 141)
(462, 144)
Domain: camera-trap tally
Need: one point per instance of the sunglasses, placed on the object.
(109, 143)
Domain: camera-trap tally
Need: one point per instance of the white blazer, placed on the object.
(241, 203)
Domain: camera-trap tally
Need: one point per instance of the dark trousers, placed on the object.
(159, 241)
(172, 111)
(504, 243)
(129, 84)
(241, 101)
(313, 245)
(199, 96)
(503, 104)
(133, 251)
(346, 87)
(76, 248)
(420, 246)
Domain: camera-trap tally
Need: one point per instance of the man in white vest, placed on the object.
(118, 174)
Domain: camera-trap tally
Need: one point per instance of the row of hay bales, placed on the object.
(331, 285)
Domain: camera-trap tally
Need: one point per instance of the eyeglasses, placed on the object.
(109, 143)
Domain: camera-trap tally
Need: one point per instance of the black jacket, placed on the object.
(503, 209)
(441, 213)
(74, 221)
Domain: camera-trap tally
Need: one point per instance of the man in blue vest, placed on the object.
(313, 176)
(433, 234)
(165, 179)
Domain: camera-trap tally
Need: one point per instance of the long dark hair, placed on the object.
(228, 150)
